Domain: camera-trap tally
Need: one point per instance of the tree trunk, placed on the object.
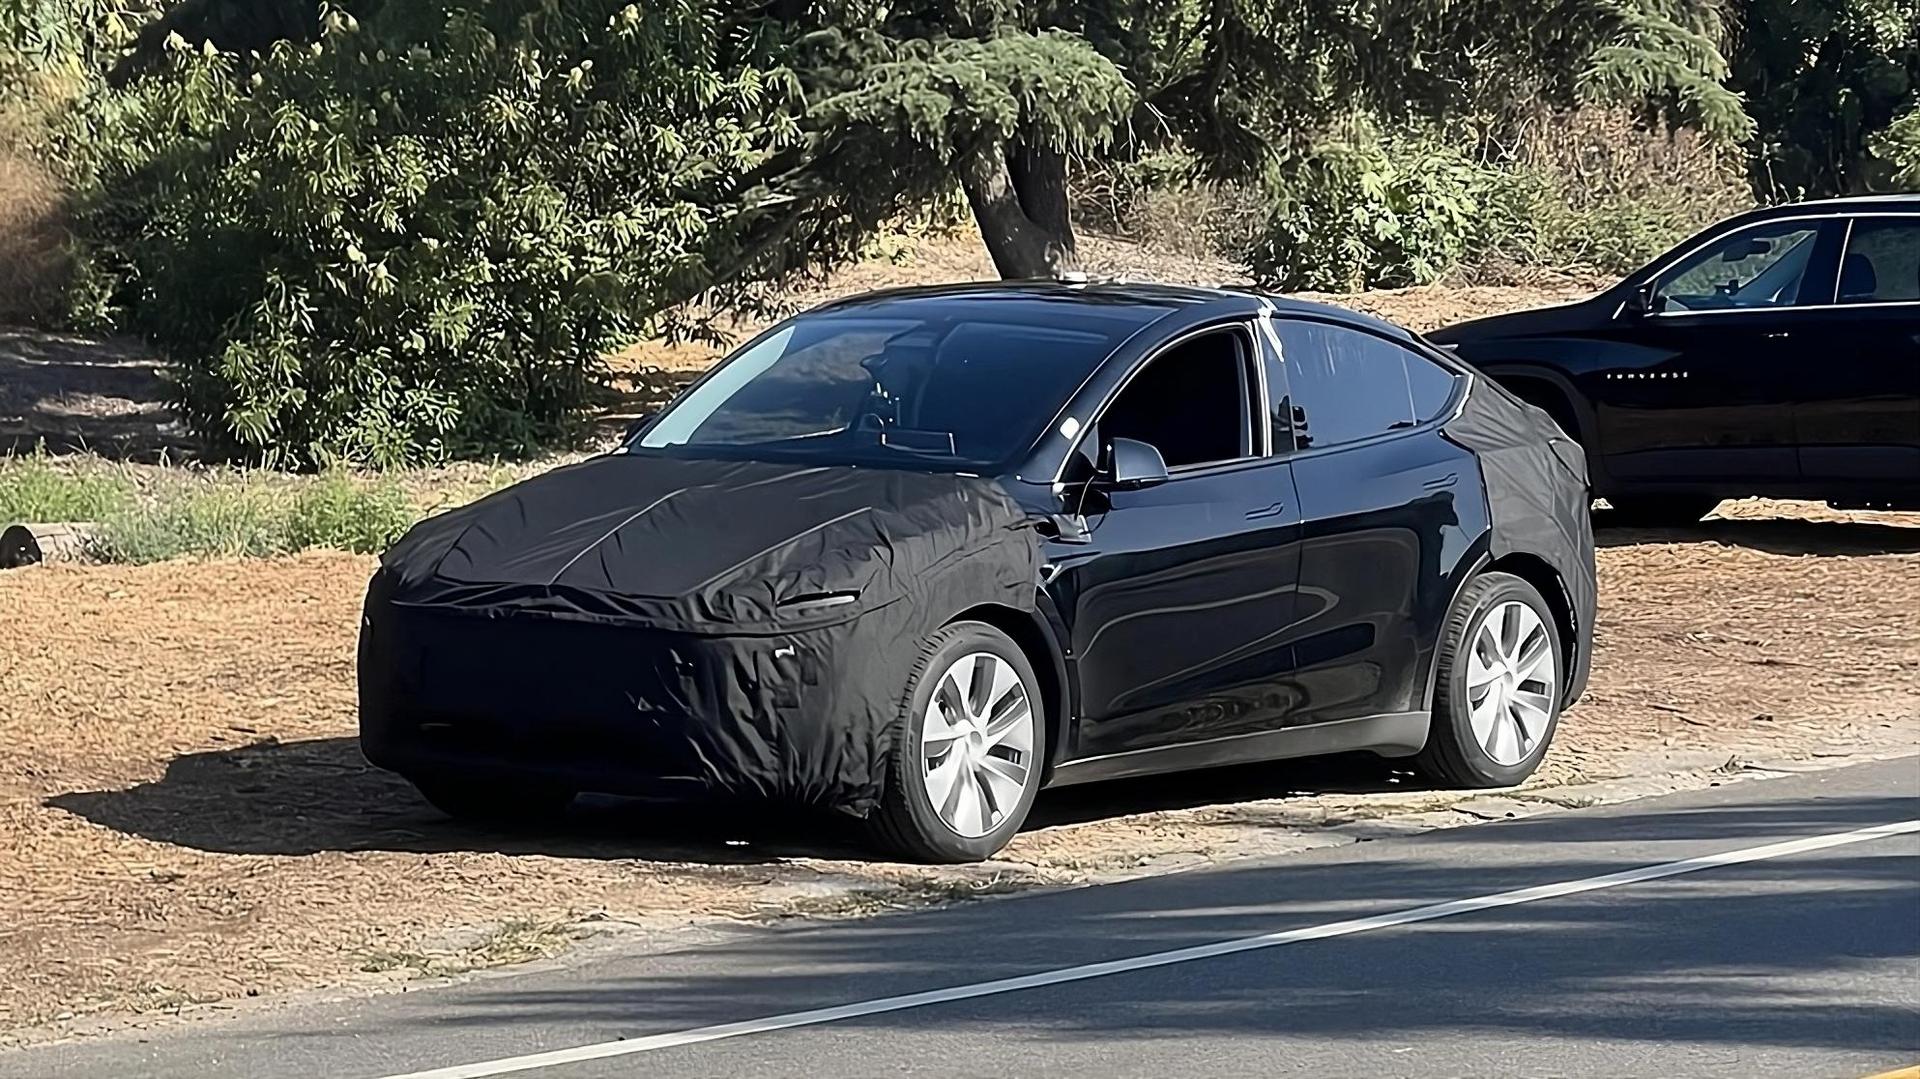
(1019, 200)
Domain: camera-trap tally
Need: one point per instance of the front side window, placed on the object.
(1882, 262)
(1758, 267)
(1195, 403)
(1348, 385)
(968, 392)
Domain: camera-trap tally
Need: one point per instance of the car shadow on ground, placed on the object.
(298, 798)
(1777, 535)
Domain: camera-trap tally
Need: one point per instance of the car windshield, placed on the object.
(970, 391)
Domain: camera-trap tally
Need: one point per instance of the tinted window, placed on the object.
(1882, 263)
(1190, 403)
(1346, 385)
(1760, 266)
(968, 391)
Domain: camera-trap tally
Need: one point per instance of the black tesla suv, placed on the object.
(1774, 354)
(913, 556)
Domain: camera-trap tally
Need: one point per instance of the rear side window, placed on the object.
(1882, 263)
(1348, 385)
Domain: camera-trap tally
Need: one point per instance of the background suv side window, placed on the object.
(1761, 266)
(1348, 385)
(1882, 263)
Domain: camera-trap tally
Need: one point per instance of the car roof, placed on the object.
(1140, 301)
(1907, 203)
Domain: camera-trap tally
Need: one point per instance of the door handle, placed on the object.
(1266, 511)
(1440, 482)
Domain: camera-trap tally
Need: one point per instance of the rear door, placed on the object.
(1858, 413)
(1708, 399)
(1388, 506)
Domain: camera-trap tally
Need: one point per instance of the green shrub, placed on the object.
(1588, 191)
(417, 236)
(1381, 210)
(38, 489)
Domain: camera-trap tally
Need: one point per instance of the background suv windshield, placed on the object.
(967, 391)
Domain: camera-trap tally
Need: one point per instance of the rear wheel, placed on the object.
(1648, 510)
(966, 768)
(494, 803)
(1496, 699)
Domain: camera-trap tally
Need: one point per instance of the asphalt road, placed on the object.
(1749, 930)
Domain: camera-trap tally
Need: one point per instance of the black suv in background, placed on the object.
(1776, 354)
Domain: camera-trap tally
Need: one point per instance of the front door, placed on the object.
(1707, 397)
(1178, 606)
(1179, 609)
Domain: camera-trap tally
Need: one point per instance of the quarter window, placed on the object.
(1761, 266)
(1882, 263)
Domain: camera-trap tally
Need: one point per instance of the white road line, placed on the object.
(816, 1016)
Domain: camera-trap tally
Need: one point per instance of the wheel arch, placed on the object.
(1035, 639)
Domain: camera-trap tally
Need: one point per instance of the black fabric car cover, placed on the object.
(1538, 495)
(745, 626)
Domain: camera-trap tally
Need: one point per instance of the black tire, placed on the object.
(1454, 755)
(493, 803)
(905, 823)
(1652, 511)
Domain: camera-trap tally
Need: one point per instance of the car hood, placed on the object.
(1539, 322)
(705, 545)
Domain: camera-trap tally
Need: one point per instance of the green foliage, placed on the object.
(379, 233)
(1826, 80)
(39, 489)
(1899, 147)
(417, 236)
(240, 515)
(1584, 191)
(1373, 211)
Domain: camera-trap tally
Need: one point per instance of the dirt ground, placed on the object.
(184, 816)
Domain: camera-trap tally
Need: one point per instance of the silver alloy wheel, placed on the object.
(1511, 682)
(976, 743)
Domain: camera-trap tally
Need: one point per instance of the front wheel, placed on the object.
(1496, 699)
(964, 771)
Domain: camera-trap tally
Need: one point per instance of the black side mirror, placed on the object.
(1132, 464)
